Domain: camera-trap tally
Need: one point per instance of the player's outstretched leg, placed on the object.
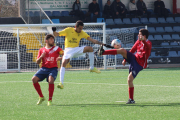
(121, 51)
(101, 50)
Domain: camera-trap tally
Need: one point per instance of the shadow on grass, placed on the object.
(124, 105)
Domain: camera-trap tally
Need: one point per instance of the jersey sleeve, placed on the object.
(61, 52)
(147, 44)
(134, 48)
(85, 35)
(63, 32)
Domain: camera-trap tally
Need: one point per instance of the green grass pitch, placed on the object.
(90, 96)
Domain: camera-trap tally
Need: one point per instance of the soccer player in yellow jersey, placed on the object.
(72, 49)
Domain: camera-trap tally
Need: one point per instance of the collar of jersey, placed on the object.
(48, 48)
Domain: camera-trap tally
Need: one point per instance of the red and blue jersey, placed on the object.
(49, 61)
(143, 51)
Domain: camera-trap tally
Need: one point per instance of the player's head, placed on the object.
(79, 26)
(49, 40)
(143, 34)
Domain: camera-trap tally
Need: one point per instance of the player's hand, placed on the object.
(123, 63)
(58, 58)
(43, 54)
(53, 29)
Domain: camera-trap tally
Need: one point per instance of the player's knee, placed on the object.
(51, 80)
(129, 80)
(34, 79)
(121, 51)
(88, 49)
(91, 49)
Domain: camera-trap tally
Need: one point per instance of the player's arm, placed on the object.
(146, 44)
(38, 61)
(134, 48)
(94, 41)
(60, 57)
(54, 32)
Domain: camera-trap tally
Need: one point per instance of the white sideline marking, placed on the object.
(121, 84)
(93, 84)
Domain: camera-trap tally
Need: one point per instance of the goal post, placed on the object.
(22, 42)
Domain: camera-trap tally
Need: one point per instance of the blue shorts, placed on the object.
(43, 73)
(134, 67)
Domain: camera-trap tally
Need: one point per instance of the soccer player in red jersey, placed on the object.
(137, 62)
(49, 70)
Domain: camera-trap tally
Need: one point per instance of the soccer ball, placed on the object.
(116, 43)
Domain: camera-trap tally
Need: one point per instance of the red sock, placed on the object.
(38, 89)
(51, 91)
(131, 93)
(110, 52)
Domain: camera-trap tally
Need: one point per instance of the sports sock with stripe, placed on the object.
(51, 91)
(38, 89)
(131, 93)
(110, 52)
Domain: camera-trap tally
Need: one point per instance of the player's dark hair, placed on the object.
(79, 23)
(49, 36)
(144, 32)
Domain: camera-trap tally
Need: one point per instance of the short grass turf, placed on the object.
(90, 96)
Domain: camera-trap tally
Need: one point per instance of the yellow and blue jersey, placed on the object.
(72, 38)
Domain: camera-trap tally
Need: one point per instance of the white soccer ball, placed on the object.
(116, 43)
